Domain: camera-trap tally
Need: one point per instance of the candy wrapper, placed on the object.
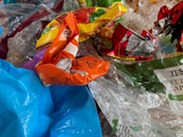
(127, 44)
(59, 59)
(90, 22)
(88, 30)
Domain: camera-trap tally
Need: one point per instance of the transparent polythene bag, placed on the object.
(16, 17)
(13, 14)
(28, 109)
(18, 44)
(136, 112)
(143, 13)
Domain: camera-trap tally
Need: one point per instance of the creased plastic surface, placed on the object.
(21, 46)
(142, 13)
(135, 112)
(15, 22)
(30, 110)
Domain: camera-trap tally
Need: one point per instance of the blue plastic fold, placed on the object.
(28, 109)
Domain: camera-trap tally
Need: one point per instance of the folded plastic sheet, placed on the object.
(30, 110)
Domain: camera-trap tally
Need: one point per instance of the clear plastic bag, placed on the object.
(18, 16)
(22, 45)
(143, 13)
(135, 112)
(12, 15)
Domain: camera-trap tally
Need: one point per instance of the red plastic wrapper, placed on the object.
(170, 22)
(128, 45)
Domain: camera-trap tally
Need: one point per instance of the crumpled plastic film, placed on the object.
(90, 21)
(20, 21)
(11, 16)
(135, 112)
(90, 29)
(21, 31)
(69, 5)
(142, 13)
(22, 45)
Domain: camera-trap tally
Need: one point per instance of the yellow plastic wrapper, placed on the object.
(86, 28)
(90, 29)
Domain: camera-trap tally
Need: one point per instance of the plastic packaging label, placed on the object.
(172, 78)
(141, 74)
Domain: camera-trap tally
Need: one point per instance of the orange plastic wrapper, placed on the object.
(59, 66)
(91, 67)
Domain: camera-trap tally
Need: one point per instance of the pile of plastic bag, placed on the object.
(128, 53)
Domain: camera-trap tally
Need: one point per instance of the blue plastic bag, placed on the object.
(30, 110)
